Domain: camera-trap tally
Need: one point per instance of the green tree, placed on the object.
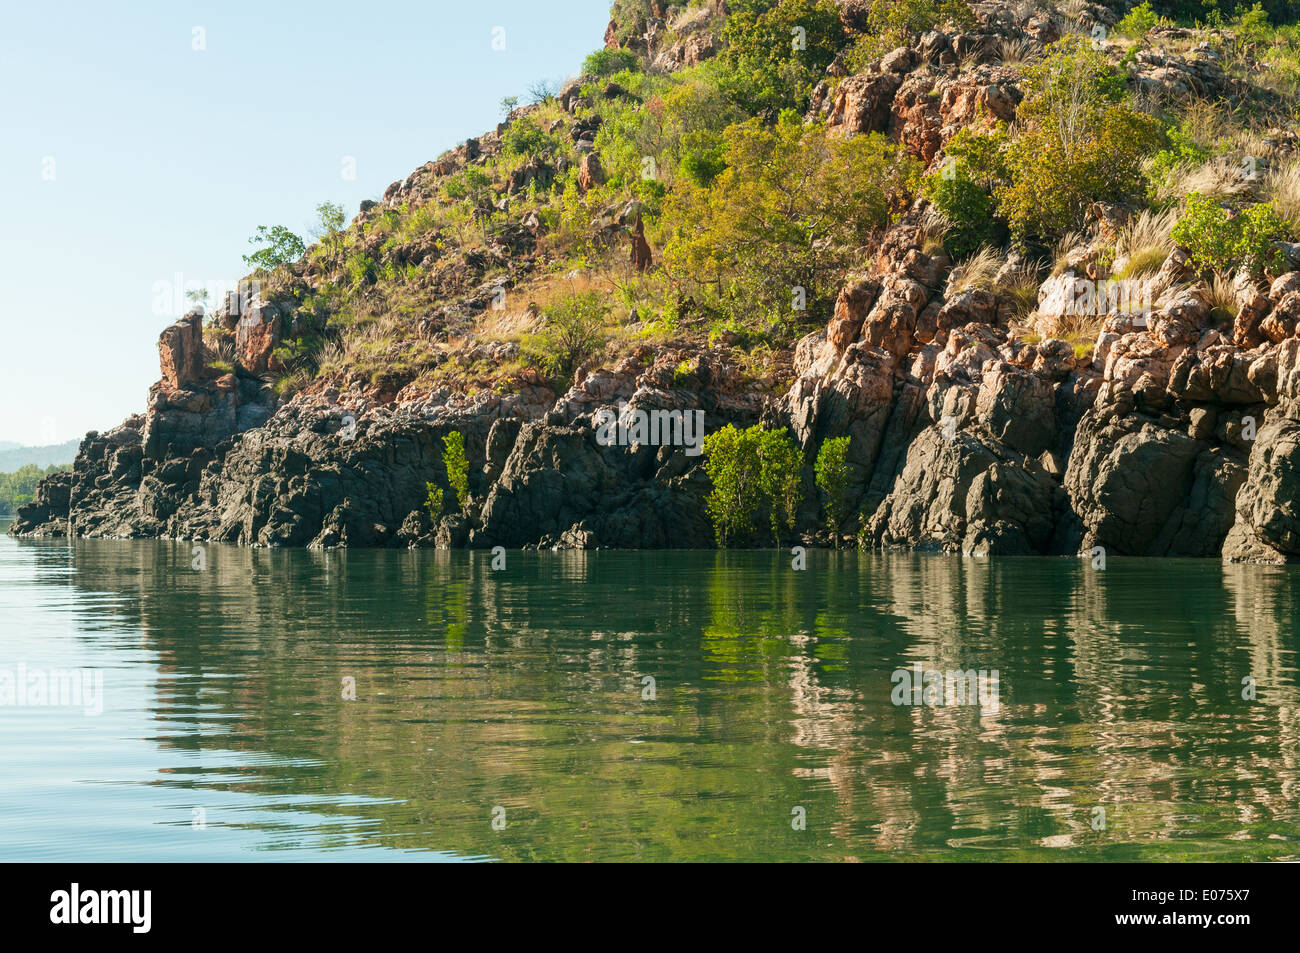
(278, 246)
(793, 208)
(776, 50)
(752, 471)
(453, 458)
(18, 488)
(328, 231)
(1077, 141)
(731, 462)
(330, 217)
(433, 501)
(832, 473)
(780, 479)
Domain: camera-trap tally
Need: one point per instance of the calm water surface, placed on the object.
(225, 735)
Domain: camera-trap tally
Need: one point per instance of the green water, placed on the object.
(505, 714)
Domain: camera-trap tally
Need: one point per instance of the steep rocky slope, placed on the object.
(973, 428)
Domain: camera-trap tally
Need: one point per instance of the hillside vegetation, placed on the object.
(507, 261)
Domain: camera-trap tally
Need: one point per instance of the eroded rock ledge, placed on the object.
(1177, 438)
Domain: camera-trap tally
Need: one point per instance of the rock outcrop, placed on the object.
(327, 470)
(974, 428)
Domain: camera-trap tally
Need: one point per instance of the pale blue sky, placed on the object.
(166, 158)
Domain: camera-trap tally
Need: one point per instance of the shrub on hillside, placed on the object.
(524, 139)
(1077, 141)
(967, 207)
(677, 118)
(776, 51)
(605, 62)
(1140, 19)
(702, 158)
(629, 17)
(790, 211)
(574, 329)
(1223, 241)
(1163, 169)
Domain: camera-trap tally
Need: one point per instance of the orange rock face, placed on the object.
(862, 103)
(590, 172)
(256, 339)
(851, 309)
(180, 350)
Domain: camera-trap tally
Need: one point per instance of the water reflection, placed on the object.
(525, 689)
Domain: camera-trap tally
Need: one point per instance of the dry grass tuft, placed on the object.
(934, 226)
(1217, 179)
(1283, 190)
(1222, 299)
(978, 272)
(989, 270)
(1020, 285)
(1063, 248)
(1017, 52)
(1144, 242)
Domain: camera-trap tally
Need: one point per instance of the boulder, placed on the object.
(862, 103)
(590, 172)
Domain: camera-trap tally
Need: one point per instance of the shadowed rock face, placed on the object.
(1178, 434)
(965, 493)
(325, 471)
(1267, 527)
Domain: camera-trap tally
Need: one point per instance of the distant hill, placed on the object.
(13, 456)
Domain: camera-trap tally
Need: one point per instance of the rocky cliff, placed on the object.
(977, 426)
